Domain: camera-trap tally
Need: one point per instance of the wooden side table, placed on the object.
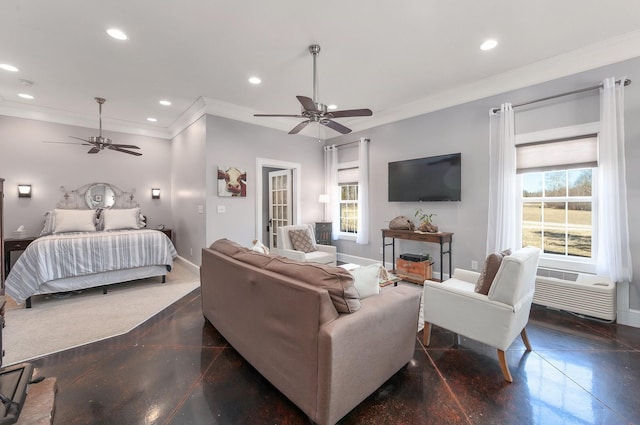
(14, 244)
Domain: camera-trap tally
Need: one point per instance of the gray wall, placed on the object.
(234, 143)
(188, 185)
(24, 158)
(465, 129)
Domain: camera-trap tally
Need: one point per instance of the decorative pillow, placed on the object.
(489, 271)
(73, 221)
(301, 240)
(49, 223)
(367, 280)
(259, 247)
(120, 219)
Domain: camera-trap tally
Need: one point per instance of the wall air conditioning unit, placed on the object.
(581, 293)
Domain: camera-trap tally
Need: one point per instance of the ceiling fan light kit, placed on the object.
(317, 112)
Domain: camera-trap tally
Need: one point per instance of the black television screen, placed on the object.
(435, 178)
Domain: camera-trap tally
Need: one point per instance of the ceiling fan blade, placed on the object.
(307, 103)
(299, 127)
(278, 115)
(94, 149)
(124, 146)
(337, 127)
(117, 149)
(64, 143)
(84, 140)
(351, 113)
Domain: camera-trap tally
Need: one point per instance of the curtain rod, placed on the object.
(350, 143)
(599, 86)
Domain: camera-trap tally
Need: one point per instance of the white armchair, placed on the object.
(495, 319)
(324, 254)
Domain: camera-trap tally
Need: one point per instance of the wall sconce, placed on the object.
(155, 193)
(24, 191)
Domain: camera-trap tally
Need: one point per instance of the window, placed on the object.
(349, 208)
(556, 186)
(557, 212)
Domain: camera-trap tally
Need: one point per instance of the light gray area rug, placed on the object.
(55, 324)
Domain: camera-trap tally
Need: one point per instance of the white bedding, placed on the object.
(90, 259)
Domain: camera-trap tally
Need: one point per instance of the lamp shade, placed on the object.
(323, 198)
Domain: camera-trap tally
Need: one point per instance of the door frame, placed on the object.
(296, 171)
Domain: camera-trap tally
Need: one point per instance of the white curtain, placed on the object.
(614, 254)
(363, 192)
(501, 229)
(331, 187)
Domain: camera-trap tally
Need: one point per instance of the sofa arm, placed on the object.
(327, 248)
(358, 352)
(466, 275)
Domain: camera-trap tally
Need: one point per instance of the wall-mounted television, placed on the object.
(434, 178)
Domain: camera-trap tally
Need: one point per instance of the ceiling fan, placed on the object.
(315, 111)
(99, 143)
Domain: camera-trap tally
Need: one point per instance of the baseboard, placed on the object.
(629, 317)
(188, 264)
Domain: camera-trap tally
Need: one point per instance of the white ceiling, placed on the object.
(400, 58)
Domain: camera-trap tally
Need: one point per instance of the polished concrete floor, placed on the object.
(177, 369)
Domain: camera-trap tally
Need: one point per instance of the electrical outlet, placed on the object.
(474, 265)
(191, 252)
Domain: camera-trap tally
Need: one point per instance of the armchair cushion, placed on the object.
(301, 240)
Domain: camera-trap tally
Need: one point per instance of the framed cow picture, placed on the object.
(232, 181)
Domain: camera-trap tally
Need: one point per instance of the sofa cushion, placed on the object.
(489, 271)
(336, 280)
(301, 240)
(254, 258)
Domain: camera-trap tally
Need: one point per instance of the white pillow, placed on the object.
(366, 280)
(121, 219)
(74, 221)
(259, 247)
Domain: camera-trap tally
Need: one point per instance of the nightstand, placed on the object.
(14, 244)
(167, 232)
(323, 232)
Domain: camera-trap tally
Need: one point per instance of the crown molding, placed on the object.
(22, 110)
(606, 52)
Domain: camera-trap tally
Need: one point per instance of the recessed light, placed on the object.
(152, 119)
(117, 34)
(165, 102)
(488, 44)
(332, 107)
(25, 96)
(8, 67)
(255, 80)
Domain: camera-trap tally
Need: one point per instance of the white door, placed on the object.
(279, 203)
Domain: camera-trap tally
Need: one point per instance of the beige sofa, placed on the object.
(318, 343)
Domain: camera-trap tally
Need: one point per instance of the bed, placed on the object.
(82, 248)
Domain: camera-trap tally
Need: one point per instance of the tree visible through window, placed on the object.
(557, 211)
(349, 208)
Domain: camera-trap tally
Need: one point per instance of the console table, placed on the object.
(439, 238)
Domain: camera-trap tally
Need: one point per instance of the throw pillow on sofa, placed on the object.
(367, 280)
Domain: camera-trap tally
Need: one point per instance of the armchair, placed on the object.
(495, 319)
(324, 254)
